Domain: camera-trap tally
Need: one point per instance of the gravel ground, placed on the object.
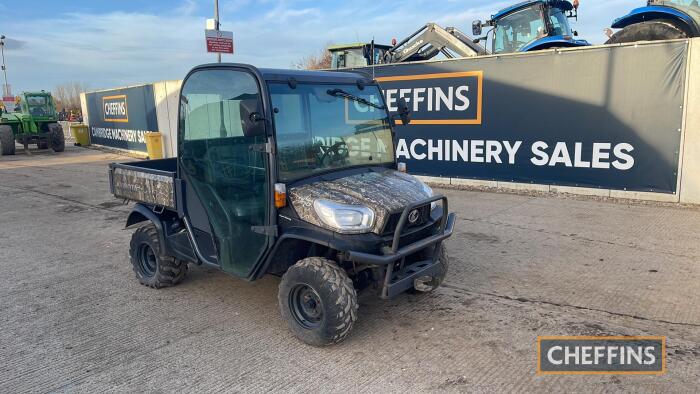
(75, 319)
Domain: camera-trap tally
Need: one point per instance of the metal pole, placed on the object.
(216, 25)
(4, 68)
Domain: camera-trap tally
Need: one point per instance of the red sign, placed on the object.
(219, 41)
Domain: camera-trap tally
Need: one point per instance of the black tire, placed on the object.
(151, 268)
(318, 301)
(58, 140)
(7, 141)
(648, 31)
(444, 264)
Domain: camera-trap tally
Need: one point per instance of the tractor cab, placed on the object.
(37, 104)
(531, 26)
(357, 54)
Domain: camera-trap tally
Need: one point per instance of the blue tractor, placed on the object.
(659, 20)
(531, 26)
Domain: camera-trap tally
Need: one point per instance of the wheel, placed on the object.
(58, 140)
(318, 301)
(42, 144)
(7, 140)
(151, 268)
(648, 31)
(444, 264)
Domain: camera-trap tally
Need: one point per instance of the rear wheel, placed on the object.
(318, 301)
(151, 268)
(648, 31)
(58, 140)
(7, 141)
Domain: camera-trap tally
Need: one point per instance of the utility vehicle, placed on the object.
(531, 26)
(289, 173)
(659, 20)
(33, 120)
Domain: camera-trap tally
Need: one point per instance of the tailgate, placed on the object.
(138, 183)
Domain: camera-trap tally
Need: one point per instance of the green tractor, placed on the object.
(33, 120)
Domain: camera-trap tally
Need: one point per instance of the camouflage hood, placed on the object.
(384, 191)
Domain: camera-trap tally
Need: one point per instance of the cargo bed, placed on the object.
(150, 182)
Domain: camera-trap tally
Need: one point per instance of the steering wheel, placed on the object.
(334, 153)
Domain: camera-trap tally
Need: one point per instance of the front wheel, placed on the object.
(58, 140)
(152, 269)
(648, 31)
(7, 141)
(318, 301)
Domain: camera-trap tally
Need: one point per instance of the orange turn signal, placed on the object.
(280, 195)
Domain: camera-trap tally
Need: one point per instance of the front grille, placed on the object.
(393, 222)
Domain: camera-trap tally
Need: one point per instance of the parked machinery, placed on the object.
(424, 44)
(659, 20)
(531, 26)
(33, 121)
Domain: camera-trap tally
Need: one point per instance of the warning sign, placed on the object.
(219, 41)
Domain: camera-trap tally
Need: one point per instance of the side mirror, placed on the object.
(252, 121)
(476, 28)
(404, 111)
(575, 33)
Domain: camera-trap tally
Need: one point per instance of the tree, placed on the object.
(317, 61)
(67, 95)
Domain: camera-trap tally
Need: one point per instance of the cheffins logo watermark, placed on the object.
(454, 98)
(601, 355)
(115, 109)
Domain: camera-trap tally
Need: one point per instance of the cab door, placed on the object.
(225, 171)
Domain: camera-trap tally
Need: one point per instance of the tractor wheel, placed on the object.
(7, 140)
(443, 261)
(151, 268)
(648, 31)
(318, 301)
(58, 140)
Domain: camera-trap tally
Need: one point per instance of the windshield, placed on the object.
(39, 105)
(560, 23)
(324, 127)
(516, 30)
(353, 57)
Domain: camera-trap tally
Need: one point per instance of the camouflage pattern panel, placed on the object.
(384, 191)
(144, 187)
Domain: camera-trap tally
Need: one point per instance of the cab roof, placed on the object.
(356, 45)
(564, 5)
(281, 75)
(284, 75)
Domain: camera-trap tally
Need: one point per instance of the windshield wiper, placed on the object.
(342, 93)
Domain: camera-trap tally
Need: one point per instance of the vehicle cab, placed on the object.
(530, 26)
(356, 55)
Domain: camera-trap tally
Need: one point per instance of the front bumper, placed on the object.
(399, 279)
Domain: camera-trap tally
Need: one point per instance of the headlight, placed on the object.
(350, 219)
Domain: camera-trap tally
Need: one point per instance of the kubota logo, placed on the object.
(115, 108)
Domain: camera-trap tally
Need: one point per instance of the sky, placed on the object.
(107, 44)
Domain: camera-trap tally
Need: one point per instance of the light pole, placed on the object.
(4, 69)
(216, 25)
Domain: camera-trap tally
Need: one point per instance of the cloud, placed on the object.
(117, 48)
(11, 43)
